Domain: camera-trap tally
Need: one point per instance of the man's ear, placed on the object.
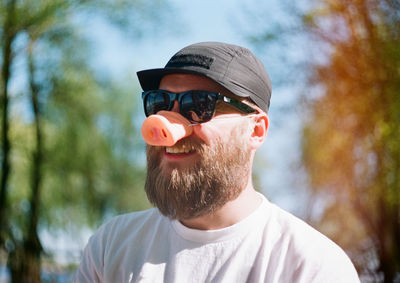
(260, 129)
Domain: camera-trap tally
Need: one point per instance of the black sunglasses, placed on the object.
(198, 106)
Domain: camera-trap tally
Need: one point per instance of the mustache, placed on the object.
(189, 142)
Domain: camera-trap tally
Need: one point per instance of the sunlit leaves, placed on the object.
(351, 141)
(91, 164)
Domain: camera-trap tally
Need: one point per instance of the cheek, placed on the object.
(204, 133)
(209, 133)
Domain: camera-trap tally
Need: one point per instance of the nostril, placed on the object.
(164, 133)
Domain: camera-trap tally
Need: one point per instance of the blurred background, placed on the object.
(71, 151)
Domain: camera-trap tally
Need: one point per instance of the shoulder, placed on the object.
(314, 256)
(128, 225)
(124, 234)
(132, 219)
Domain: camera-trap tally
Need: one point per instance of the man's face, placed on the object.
(202, 172)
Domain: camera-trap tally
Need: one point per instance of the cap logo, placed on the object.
(186, 60)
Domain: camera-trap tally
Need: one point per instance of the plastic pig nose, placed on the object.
(165, 128)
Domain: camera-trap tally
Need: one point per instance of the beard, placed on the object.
(217, 178)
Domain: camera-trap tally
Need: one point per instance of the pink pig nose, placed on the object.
(165, 128)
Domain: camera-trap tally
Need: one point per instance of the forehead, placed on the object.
(184, 82)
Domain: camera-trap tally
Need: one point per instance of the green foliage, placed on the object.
(349, 53)
(91, 161)
(89, 168)
(351, 139)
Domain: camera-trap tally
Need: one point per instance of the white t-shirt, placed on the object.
(270, 245)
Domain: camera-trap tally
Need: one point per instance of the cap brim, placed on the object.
(150, 79)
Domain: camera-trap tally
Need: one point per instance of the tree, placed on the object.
(350, 147)
(69, 157)
(350, 59)
(8, 32)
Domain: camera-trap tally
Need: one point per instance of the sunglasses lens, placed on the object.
(156, 101)
(198, 106)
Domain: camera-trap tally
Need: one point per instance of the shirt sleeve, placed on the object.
(338, 268)
(329, 265)
(92, 263)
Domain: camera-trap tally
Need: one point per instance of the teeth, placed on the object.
(179, 149)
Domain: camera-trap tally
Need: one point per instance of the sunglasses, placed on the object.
(198, 106)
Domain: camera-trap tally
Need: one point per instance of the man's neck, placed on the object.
(231, 213)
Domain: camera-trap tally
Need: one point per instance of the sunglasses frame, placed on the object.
(237, 104)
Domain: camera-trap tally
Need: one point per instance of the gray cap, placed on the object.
(231, 66)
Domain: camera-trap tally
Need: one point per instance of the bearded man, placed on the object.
(207, 116)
